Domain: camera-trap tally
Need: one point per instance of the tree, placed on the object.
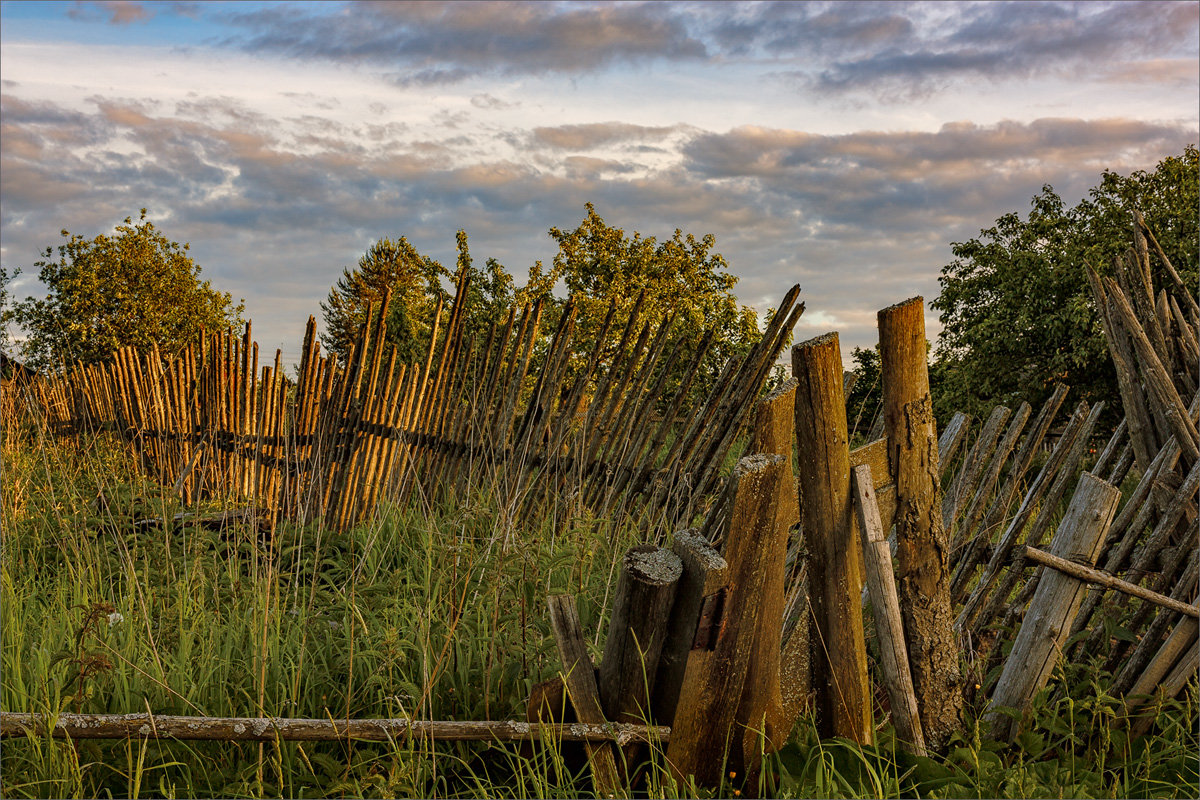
(416, 284)
(132, 288)
(865, 398)
(1015, 305)
(680, 276)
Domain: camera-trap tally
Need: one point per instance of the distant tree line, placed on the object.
(1016, 311)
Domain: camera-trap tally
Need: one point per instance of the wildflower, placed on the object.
(115, 618)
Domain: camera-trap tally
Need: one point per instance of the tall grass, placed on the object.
(433, 611)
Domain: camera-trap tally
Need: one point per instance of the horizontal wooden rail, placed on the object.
(269, 729)
(1104, 579)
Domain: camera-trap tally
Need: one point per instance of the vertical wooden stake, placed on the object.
(641, 609)
(923, 549)
(839, 659)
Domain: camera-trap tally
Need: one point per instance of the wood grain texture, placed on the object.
(839, 660)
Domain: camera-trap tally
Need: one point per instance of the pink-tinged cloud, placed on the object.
(118, 12)
(586, 136)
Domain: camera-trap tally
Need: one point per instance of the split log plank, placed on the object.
(719, 720)
(1040, 640)
(699, 596)
(881, 582)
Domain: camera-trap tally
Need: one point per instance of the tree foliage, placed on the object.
(596, 264)
(865, 398)
(132, 288)
(1015, 305)
(416, 284)
(7, 312)
(680, 276)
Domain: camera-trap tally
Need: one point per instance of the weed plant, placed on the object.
(427, 611)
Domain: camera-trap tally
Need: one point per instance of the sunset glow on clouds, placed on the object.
(842, 146)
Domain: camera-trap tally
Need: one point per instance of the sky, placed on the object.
(843, 146)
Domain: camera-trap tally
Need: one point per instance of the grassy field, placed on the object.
(430, 611)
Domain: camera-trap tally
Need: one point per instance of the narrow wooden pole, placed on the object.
(270, 729)
(580, 680)
(1047, 623)
(922, 543)
(877, 561)
(1089, 575)
(839, 658)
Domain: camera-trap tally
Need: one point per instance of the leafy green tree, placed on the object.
(866, 395)
(680, 276)
(1015, 305)
(490, 294)
(131, 288)
(416, 284)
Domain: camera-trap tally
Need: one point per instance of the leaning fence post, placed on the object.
(839, 657)
(1054, 605)
(877, 562)
(922, 541)
(580, 681)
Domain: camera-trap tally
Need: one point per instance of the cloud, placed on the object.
(442, 42)
(859, 219)
(487, 101)
(917, 179)
(119, 12)
(999, 41)
(589, 135)
(894, 51)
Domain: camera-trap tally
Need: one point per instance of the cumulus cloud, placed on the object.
(275, 206)
(441, 42)
(589, 135)
(901, 51)
(916, 179)
(889, 50)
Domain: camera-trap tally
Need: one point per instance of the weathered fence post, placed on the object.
(638, 627)
(922, 542)
(720, 717)
(580, 681)
(881, 582)
(699, 600)
(1055, 603)
(839, 656)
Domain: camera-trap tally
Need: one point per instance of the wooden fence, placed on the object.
(330, 445)
(737, 626)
